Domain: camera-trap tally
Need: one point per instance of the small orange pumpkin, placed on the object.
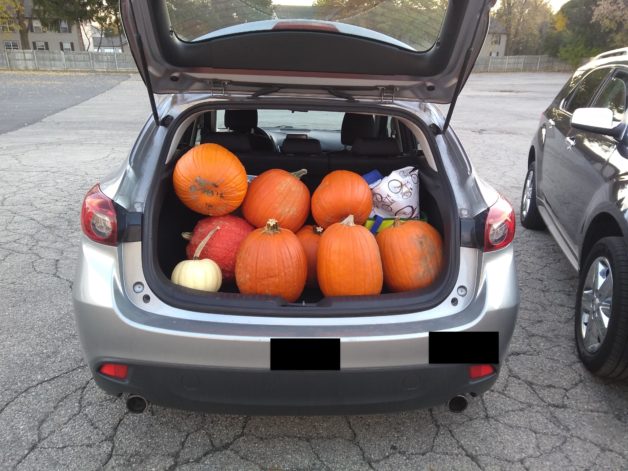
(340, 194)
(277, 194)
(210, 180)
(310, 237)
(271, 261)
(412, 255)
(348, 261)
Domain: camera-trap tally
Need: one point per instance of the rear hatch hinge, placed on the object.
(218, 88)
(387, 94)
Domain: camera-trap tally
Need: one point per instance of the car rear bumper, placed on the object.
(222, 363)
(264, 392)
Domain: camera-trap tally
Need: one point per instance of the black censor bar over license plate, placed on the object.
(463, 347)
(304, 354)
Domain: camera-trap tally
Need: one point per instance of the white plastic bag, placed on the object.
(397, 195)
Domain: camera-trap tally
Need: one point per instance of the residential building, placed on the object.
(495, 43)
(96, 42)
(60, 35)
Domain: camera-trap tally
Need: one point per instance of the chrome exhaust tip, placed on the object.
(458, 404)
(136, 404)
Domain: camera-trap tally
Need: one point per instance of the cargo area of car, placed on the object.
(386, 148)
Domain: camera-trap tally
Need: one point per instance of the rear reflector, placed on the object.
(480, 371)
(499, 230)
(98, 217)
(114, 370)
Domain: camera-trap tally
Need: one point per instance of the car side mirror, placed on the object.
(597, 120)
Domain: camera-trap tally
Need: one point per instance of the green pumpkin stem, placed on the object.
(272, 226)
(186, 235)
(300, 173)
(201, 246)
(348, 221)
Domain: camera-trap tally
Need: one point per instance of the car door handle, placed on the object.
(551, 123)
(570, 141)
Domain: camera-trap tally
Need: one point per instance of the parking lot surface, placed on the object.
(545, 412)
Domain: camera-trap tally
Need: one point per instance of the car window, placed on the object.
(415, 25)
(287, 120)
(583, 93)
(613, 96)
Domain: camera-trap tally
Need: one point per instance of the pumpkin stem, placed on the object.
(318, 230)
(300, 173)
(397, 222)
(348, 221)
(201, 246)
(272, 226)
(186, 235)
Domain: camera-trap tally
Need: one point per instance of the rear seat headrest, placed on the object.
(241, 120)
(356, 125)
(233, 142)
(376, 146)
(301, 146)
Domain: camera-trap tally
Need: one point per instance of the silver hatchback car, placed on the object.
(291, 87)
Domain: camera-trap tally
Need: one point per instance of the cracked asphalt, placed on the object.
(545, 412)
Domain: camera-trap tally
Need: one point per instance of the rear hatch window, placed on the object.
(414, 25)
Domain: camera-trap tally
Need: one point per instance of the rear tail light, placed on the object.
(480, 371)
(98, 217)
(114, 370)
(499, 229)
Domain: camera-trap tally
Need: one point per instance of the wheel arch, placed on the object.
(602, 225)
(531, 155)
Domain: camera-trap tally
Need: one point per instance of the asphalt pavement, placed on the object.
(27, 97)
(545, 412)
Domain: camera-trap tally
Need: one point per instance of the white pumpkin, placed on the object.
(204, 275)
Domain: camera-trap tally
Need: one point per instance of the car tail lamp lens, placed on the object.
(114, 370)
(480, 371)
(98, 217)
(499, 230)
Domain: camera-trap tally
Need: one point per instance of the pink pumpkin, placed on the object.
(223, 246)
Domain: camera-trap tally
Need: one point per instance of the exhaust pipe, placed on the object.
(458, 404)
(136, 404)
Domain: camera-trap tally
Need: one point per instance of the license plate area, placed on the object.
(304, 354)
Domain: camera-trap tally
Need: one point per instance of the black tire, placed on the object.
(530, 218)
(610, 359)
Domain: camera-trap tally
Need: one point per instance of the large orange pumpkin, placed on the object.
(210, 180)
(271, 261)
(348, 261)
(340, 194)
(310, 237)
(412, 255)
(277, 194)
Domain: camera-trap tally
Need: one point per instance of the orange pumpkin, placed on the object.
(340, 194)
(210, 180)
(277, 194)
(412, 255)
(271, 261)
(348, 261)
(310, 237)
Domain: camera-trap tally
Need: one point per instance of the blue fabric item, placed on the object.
(376, 223)
(372, 177)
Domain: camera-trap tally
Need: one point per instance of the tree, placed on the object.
(574, 36)
(612, 16)
(527, 23)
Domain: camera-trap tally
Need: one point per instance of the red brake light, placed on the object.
(114, 370)
(480, 371)
(305, 26)
(499, 230)
(98, 217)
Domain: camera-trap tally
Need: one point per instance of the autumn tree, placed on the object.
(612, 16)
(526, 22)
